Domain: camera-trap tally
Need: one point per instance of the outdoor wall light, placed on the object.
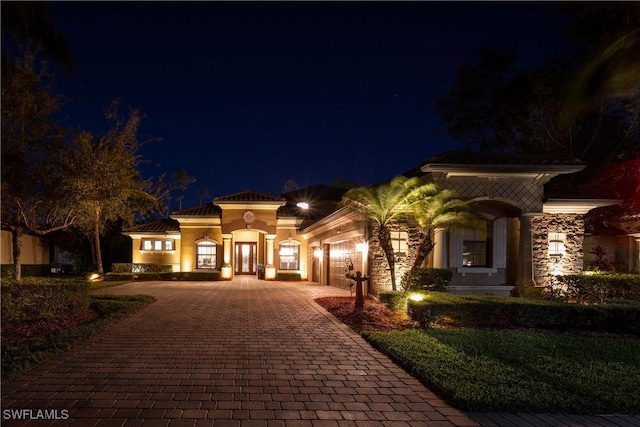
(317, 252)
(226, 272)
(361, 245)
(303, 205)
(557, 247)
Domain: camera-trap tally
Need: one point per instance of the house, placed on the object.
(34, 254)
(525, 238)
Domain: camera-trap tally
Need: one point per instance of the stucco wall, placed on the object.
(149, 257)
(189, 236)
(32, 249)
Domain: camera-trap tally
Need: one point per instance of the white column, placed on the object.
(270, 269)
(440, 249)
(226, 256)
(525, 255)
(500, 243)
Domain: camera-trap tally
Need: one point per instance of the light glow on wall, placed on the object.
(362, 246)
(317, 253)
(226, 272)
(270, 272)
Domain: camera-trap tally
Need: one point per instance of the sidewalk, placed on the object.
(245, 353)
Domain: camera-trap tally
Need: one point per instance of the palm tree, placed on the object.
(439, 209)
(613, 69)
(385, 204)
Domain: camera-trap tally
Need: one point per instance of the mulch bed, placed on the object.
(12, 333)
(374, 316)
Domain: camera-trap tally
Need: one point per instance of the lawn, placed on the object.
(508, 371)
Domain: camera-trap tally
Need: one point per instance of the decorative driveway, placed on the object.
(244, 353)
(240, 353)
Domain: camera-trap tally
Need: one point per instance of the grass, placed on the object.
(506, 371)
(21, 356)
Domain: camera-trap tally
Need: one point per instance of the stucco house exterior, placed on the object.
(525, 238)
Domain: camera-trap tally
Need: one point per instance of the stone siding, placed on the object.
(545, 267)
(380, 272)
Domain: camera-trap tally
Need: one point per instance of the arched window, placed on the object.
(289, 255)
(206, 254)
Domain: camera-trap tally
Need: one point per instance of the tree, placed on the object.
(436, 209)
(290, 185)
(344, 183)
(494, 107)
(32, 146)
(181, 181)
(106, 182)
(203, 192)
(611, 34)
(30, 22)
(385, 204)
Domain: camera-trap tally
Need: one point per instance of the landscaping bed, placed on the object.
(39, 320)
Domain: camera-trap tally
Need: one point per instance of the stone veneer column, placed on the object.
(440, 248)
(525, 252)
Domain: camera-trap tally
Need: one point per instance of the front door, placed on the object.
(246, 254)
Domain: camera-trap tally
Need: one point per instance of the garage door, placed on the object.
(340, 254)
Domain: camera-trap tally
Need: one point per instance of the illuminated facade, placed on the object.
(525, 239)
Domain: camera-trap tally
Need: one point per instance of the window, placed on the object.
(399, 242)
(474, 247)
(157, 245)
(206, 254)
(556, 244)
(289, 256)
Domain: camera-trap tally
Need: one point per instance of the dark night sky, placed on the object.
(249, 95)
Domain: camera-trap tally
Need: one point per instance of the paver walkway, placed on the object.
(243, 353)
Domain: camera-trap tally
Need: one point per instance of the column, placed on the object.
(525, 253)
(440, 249)
(270, 269)
(226, 269)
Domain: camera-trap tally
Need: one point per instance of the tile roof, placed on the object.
(464, 157)
(248, 196)
(208, 209)
(160, 226)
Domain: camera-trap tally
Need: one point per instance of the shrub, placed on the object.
(595, 288)
(498, 312)
(433, 279)
(395, 300)
(26, 270)
(126, 267)
(288, 276)
(35, 299)
(173, 275)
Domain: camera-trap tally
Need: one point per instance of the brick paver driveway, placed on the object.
(240, 353)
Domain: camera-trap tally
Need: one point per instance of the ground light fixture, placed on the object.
(416, 297)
